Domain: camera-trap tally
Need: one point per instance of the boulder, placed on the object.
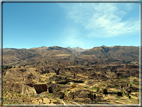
(27, 90)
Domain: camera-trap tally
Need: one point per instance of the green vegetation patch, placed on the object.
(103, 85)
(95, 88)
(50, 95)
(117, 96)
(60, 84)
(126, 94)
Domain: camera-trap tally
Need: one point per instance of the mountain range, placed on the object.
(55, 53)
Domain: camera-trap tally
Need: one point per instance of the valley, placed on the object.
(57, 75)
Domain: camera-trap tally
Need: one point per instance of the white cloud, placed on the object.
(103, 19)
(70, 37)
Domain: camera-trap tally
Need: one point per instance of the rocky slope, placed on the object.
(34, 55)
(117, 84)
(103, 54)
(56, 75)
(77, 50)
(115, 53)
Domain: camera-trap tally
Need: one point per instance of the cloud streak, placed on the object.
(70, 37)
(102, 19)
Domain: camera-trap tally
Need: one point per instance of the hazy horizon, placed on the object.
(67, 47)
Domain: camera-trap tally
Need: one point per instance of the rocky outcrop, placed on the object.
(27, 90)
(31, 89)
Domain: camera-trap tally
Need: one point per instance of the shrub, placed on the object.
(95, 88)
(117, 96)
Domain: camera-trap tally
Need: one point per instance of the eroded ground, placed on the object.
(64, 84)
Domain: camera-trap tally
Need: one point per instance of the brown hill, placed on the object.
(33, 55)
(6, 49)
(115, 53)
(64, 55)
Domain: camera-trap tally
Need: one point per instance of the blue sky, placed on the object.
(87, 25)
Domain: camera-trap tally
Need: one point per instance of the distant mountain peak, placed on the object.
(112, 46)
(103, 46)
(77, 47)
(43, 47)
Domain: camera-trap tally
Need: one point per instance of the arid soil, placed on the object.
(117, 84)
(66, 81)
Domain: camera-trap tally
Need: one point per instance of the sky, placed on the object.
(87, 25)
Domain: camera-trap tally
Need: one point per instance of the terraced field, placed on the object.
(57, 75)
